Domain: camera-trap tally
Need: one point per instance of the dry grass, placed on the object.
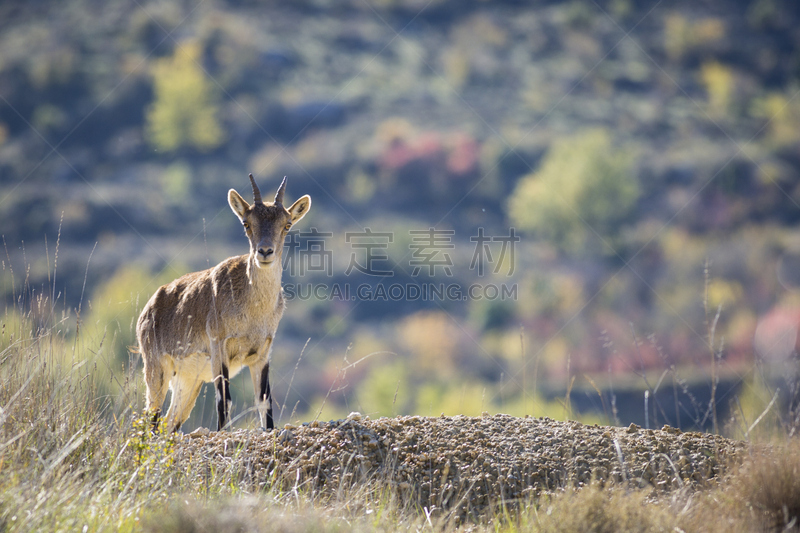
(605, 510)
(73, 458)
(766, 490)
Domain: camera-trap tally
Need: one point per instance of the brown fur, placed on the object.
(205, 326)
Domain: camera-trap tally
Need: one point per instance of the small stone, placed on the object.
(286, 436)
(199, 432)
(355, 416)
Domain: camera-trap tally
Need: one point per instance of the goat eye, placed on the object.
(288, 226)
(246, 225)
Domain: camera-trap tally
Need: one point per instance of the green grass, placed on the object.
(75, 458)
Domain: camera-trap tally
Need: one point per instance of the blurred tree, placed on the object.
(175, 181)
(115, 307)
(719, 83)
(376, 393)
(683, 36)
(453, 398)
(431, 337)
(782, 115)
(184, 112)
(584, 189)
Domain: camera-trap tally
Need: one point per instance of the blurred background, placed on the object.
(625, 172)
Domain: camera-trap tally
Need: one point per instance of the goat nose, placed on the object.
(265, 252)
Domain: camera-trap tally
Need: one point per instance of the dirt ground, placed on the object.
(464, 464)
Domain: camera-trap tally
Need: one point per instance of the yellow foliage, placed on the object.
(681, 248)
(360, 186)
(682, 35)
(393, 129)
(185, 109)
(569, 294)
(783, 116)
(675, 35)
(473, 399)
(719, 83)
(554, 354)
(456, 65)
(709, 30)
(431, 337)
(723, 293)
(473, 41)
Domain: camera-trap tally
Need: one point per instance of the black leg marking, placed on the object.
(154, 421)
(266, 394)
(223, 398)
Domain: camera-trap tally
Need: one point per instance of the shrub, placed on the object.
(584, 189)
(184, 112)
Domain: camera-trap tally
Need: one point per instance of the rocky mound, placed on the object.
(464, 464)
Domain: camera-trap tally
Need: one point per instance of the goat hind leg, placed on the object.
(184, 396)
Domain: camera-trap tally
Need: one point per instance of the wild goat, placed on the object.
(205, 326)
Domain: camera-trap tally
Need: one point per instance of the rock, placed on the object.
(199, 432)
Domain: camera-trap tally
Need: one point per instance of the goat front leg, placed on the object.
(222, 386)
(259, 372)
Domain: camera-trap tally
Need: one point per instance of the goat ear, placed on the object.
(237, 203)
(300, 208)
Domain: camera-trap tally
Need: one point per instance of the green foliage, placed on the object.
(153, 452)
(47, 118)
(380, 392)
(115, 307)
(582, 192)
(176, 182)
(452, 398)
(185, 109)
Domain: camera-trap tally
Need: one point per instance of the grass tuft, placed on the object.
(768, 488)
(597, 509)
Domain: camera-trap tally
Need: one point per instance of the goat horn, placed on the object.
(256, 192)
(281, 190)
